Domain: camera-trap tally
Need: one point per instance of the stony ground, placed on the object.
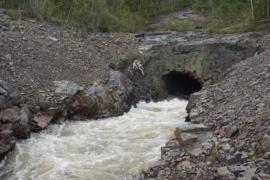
(233, 138)
(34, 54)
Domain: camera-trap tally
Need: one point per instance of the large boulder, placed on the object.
(101, 100)
(133, 68)
(81, 104)
(18, 119)
(195, 139)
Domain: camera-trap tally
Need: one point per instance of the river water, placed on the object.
(113, 148)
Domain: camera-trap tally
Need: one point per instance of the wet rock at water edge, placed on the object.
(101, 100)
(18, 119)
(22, 130)
(7, 143)
(81, 104)
(40, 122)
(195, 139)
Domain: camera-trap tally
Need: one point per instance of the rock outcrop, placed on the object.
(101, 100)
(204, 57)
(234, 143)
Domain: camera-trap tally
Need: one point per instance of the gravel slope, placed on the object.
(34, 54)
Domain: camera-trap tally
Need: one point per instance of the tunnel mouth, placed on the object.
(181, 84)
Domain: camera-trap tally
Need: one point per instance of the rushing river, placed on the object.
(113, 148)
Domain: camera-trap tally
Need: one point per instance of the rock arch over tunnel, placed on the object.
(181, 84)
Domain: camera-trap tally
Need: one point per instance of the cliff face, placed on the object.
(233, 138)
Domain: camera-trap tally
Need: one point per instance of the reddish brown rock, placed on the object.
(40, 122)
(10, 115)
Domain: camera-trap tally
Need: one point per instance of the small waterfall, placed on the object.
(113, 148)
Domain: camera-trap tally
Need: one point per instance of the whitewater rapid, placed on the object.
(114, 148)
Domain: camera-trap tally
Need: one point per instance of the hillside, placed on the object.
(35, 54)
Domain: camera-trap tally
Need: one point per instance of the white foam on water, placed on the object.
(113, 148)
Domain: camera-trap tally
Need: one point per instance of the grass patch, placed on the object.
(15, 14)
(212, 25)
(234, 28)
(179, 26)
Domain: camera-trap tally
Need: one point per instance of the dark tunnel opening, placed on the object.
(181, 85)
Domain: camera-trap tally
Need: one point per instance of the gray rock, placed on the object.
(224, 172)
(4, 88)
(266, 142)
(249, 174)
(184, 166)
(21, 130)
(116, 79)
(8, 95)
(193, 128)
(66, 87)
(229, 131)
(81, 104)
(7, 143)
(194, 139)
(244, 172)
(267, 155)
(102, 100)
(192, 101)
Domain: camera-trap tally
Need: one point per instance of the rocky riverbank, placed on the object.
(229, 133)
(43, 65)
(201, 56)
(60, 75)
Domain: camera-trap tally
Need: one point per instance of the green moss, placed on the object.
(252, 156)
